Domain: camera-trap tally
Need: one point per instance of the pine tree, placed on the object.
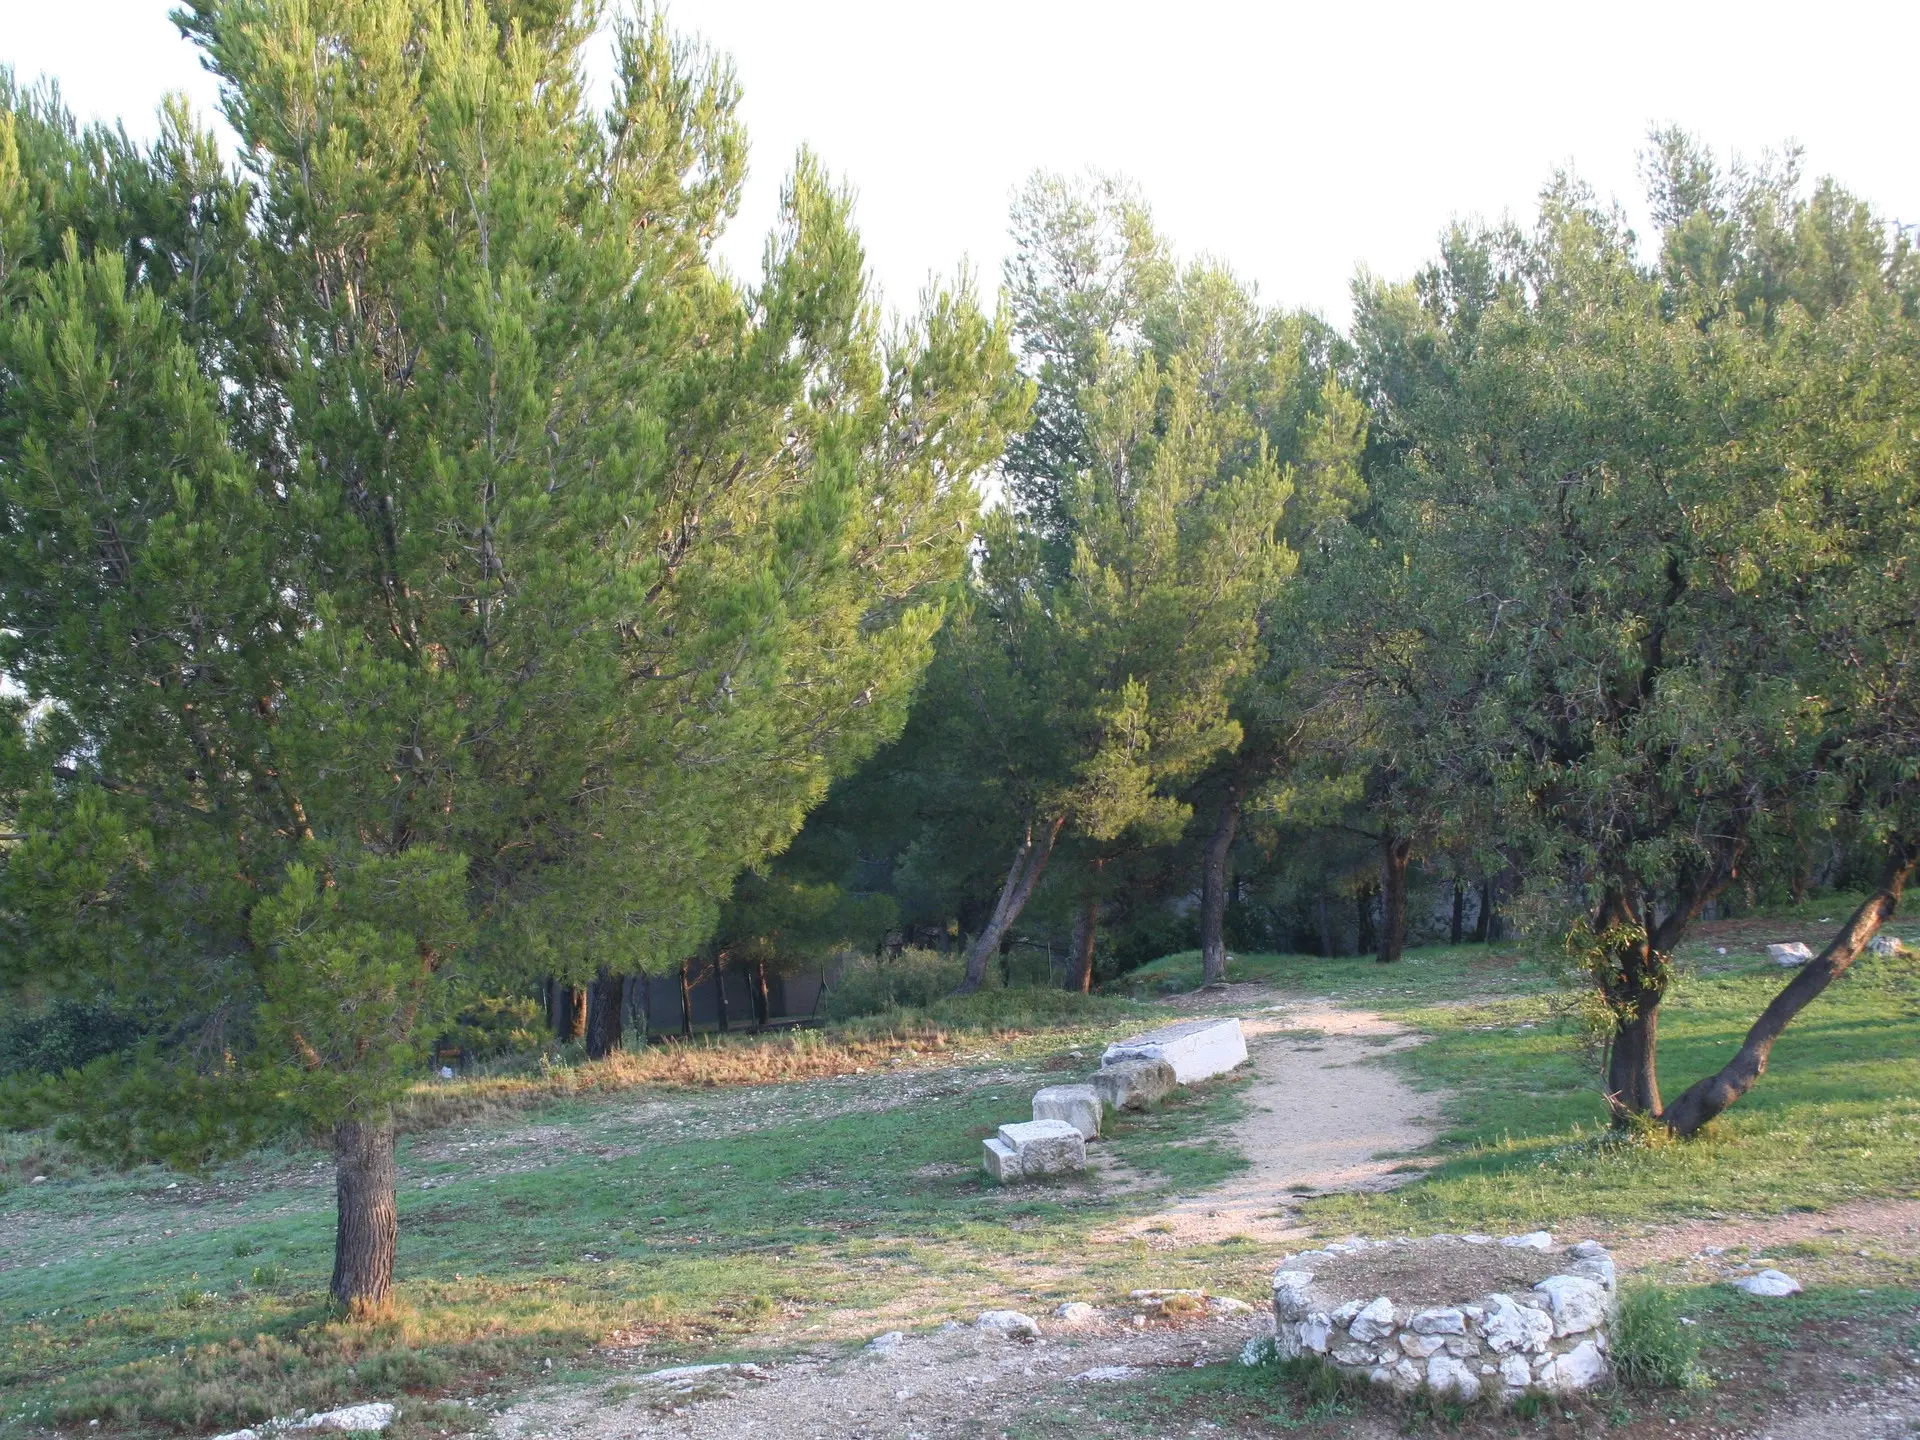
(427, 565)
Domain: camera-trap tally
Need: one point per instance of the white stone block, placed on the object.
(1448, 1376)
(1581, 1368)
(1443, 1321)
(1076, 1312)
(1000, 1160)
(1795, 953)
(1292, 1297)
(1536, 1240)
(1196, 1049)
(1576, 1303)
(1886, 945)
(1515, 1372)
(1133, 1084)
(1078, 1105)
(1511, 1328)
(1374, 1322)
(1045, 1147)
(1419, 1347)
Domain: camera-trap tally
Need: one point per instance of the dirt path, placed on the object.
(954, 1383)
(1323, 1115)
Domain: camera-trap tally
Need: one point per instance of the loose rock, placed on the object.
(1768, 1283)
(1133, 1084)
(1010, 1323)
(349, 1418)
(1794, 953)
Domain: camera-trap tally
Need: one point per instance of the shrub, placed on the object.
(913, 979)
(1652, 1346)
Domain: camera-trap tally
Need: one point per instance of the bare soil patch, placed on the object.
(1434, 1272)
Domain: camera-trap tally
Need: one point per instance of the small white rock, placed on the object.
(888, 1344)
(1108, 1372)
(1769, 1283)
(1794, 953)
(1076, 1312)
(1536, 1240)
(1443, 1321)
(1576, 1303)
(1010, 1323)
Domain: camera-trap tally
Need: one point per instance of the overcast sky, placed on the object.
(1297, 142)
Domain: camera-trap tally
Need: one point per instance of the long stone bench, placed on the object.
(1196, 1049)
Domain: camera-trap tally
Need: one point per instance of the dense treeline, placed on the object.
(434, 583)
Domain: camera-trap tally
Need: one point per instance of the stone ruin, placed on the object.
(1133, 1075)
(1463, 1315)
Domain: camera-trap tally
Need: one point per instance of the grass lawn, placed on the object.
(584, 1220)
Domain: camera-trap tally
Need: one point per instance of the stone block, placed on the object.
(1886, 945)
(1078, 1105)
(349, 1419)
(1196, 1049)
(1045, 1147)
(1576, 1303)
(1292, 1294)
(1443, 1321)
(1448, 1376)
(1076, 1312)
(1000, 1160)
(1581, 1368)
(1133, 1084)
(1374, 1322)
(1792, 954)
(1511, 1328)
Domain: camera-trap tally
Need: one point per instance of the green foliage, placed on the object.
(62, 1036)
(911, 979)
(487, 578)
(1651, 1346)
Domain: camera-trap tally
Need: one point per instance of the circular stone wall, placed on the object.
(1464, 1315)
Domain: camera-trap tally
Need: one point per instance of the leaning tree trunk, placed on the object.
(605, 1023)
(1213, 890)
(1711, 1096)
(1029, 864)
(1395, 851)
(1086, 929)
(367, 1222)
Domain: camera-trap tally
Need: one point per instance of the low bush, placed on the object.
(1653, 1347)
(910, 980)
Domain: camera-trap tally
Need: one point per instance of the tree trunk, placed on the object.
(720, 990)
(1326, 927)
(1483, 922)
(763, 1001)
(367, 1222)
(570, 1013)
(686, 1004)
(1086, 927)
(1029, 864)
(1457, 928)
(1711, 1096)
(1363, 933)
(605, 1023)
(1395, 851)
(1213, 890)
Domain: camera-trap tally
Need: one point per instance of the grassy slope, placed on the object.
(539, 1234)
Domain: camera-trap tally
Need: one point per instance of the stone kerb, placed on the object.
(1549, 1338)
(1196, 1049)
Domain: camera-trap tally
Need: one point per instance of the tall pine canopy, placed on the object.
(421, 559)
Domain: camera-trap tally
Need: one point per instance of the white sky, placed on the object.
(1296, 141)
